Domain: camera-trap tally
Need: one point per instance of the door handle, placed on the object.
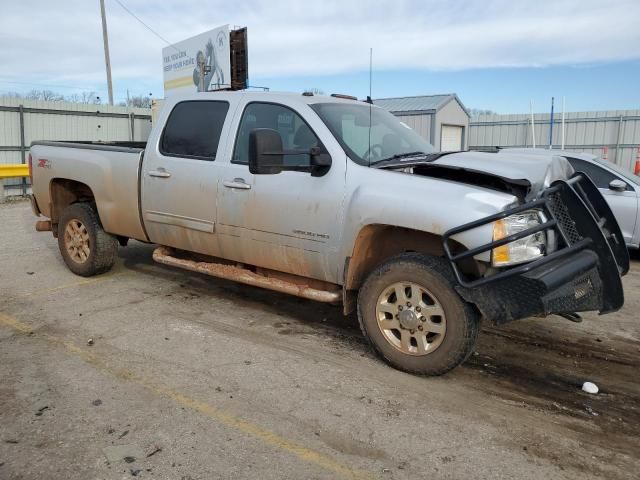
(160, 172)
(237, 183)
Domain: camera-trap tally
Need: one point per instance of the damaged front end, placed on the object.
(582, 272)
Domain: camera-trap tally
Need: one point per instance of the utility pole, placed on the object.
(370, 72)
(107, 60)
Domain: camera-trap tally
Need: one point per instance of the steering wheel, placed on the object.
(374, 152)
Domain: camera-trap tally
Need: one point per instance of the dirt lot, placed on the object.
(190, 377)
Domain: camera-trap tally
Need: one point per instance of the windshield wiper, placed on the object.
(400, 156)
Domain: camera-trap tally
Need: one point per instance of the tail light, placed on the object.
(30, 169)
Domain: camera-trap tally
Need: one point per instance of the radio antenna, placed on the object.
(369, 99)
(370, 71)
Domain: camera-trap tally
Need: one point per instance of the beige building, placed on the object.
(441, 119)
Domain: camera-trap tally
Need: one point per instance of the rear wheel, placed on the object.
(411, 314)
(85, 247)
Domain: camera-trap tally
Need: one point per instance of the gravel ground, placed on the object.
(189, 377)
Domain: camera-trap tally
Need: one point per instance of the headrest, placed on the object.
(304, 137)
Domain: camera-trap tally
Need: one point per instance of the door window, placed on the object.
(293, 130)
(193, 129)
(601, 177)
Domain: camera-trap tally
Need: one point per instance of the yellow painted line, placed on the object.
(15, 324)
(13, 170)
(88, 281)
(215, 413)
(80, 283)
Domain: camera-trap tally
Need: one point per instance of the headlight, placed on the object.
(520, 251)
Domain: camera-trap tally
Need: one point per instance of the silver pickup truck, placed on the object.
(337, 201)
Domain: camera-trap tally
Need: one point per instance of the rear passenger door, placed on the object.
(180, 177)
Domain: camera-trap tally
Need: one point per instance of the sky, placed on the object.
(495, 54)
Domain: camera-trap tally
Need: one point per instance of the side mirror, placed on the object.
(266, 155)
(617, 185)
(320, 161)
(265, 152)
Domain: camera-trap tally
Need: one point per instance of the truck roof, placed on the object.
(260, 95)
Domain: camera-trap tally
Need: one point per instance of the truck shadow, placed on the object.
(298, 314)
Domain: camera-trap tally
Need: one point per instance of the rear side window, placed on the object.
(193, 129)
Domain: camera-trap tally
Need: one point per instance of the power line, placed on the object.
(144, 24)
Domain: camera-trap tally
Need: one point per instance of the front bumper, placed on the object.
(583, 274)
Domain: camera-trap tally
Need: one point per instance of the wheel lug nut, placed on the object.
(422, 319)
(412, 332)
(397, 317)
(400, 307)
(408, 304)
(420, 327)
(418, 309)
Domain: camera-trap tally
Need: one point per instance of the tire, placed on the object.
(85, 247)
(441, 328)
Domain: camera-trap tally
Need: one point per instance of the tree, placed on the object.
(11, 95)
(137, 101)
(87, 98)
(44, 95)
(479, 111)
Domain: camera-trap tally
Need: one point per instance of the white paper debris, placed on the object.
(590, 387)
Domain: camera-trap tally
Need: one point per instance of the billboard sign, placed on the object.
(198, 64)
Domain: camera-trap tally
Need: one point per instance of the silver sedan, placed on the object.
(619, 187)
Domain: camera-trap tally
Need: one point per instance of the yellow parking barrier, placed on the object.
(13, 170)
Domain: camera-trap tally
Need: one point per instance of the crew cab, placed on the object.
(336, 200)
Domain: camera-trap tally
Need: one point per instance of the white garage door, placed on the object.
(451, 138)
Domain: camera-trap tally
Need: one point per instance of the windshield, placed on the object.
(370, 134)
(619, 170)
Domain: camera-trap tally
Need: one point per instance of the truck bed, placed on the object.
(110, 170)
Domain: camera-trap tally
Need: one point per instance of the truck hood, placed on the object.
(520, 174)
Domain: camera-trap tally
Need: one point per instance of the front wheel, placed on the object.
(412, 316)
(85, 247)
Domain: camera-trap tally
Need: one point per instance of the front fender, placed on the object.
(418, 203)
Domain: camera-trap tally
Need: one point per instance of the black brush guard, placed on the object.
(583, 273)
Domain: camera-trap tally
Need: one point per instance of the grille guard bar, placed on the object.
(581, 219)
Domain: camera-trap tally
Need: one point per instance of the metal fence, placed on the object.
(23, 121)
(615, 132)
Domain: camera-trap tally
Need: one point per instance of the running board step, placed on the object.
(166, 256)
